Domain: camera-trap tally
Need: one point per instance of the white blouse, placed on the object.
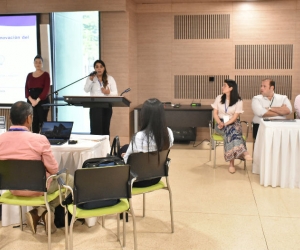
(140, 144)
(94, 87)
(225, 109)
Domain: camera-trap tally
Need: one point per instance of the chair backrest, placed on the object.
(102, 183)
(147, 166)
(23, 175)
(2, 124)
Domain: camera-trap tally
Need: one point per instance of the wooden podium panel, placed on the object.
(97, 101)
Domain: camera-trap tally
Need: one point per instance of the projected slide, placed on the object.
(18, 47)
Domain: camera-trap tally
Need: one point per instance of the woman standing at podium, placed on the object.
(36, 91)
(99, 83)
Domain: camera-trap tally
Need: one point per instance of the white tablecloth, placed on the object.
(70, 156)
(277, 154)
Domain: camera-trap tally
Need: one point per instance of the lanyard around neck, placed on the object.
(101, 83)
(17, 129)
(271, 101)
(226, 108)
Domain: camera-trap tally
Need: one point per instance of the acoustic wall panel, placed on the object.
(249, 86)
(202, 26)
(267, 56)
(198, 86)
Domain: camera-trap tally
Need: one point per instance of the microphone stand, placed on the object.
(60, 98)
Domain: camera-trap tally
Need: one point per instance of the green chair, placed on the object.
(26, 175)
(148, 166)
(100, 184)
(217, 140)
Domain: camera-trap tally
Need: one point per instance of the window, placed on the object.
(75, 47)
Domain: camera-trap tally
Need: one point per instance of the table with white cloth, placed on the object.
(69, 156)
(276, 154)
(72, 156)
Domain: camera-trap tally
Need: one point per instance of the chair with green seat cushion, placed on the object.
(100, 184)
(149, 166)
(217, 140)
(25, 175)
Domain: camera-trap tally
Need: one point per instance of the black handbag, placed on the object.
(112, 159)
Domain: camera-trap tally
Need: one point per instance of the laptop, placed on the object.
(57, 133)
(279, 120)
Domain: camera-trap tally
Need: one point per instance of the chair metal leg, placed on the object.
(144, 205)
(124, 229)
(118, 227)
(49, 220)
(134, 226)
(66, 228)
(171, 206)
(71, 233)
(49, 227)
(210, 150)
(103, 221)
(215, 154)
(21, 217)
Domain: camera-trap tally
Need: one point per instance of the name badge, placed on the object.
(226, 118)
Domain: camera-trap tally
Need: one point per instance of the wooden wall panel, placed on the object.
(3, 6)
(296, 80)
(264, 5)
(114, 52)
(154, 53)
(182, 7)
(277, 27)
(157, 29)
(154, 72)
(45, 6)
(205, 58)
(132, 64)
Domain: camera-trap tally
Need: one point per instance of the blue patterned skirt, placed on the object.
(234, 143)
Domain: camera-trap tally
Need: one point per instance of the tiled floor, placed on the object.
(213, 209)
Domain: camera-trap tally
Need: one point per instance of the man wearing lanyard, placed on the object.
(269, 104)
(20, 143)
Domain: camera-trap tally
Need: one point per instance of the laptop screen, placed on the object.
(57, 130)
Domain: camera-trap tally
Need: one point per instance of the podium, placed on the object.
(97, 101)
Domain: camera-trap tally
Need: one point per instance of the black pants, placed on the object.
(100, 120)
(255, 130)
(39, 116)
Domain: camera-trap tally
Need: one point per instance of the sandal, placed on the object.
(231, 169)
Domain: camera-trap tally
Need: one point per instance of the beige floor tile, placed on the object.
(200, 231)
(282, 233)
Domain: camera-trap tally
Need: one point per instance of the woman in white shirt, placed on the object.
(100, 84)
(154, 134)
(227, 108)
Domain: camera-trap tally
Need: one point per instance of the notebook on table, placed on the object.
(57, 133)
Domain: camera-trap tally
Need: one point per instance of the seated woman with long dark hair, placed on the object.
(227, 108)
(154, 135)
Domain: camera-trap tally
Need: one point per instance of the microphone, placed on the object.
(125, 91)
(93, 73)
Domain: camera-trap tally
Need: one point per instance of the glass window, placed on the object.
(75, 47)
